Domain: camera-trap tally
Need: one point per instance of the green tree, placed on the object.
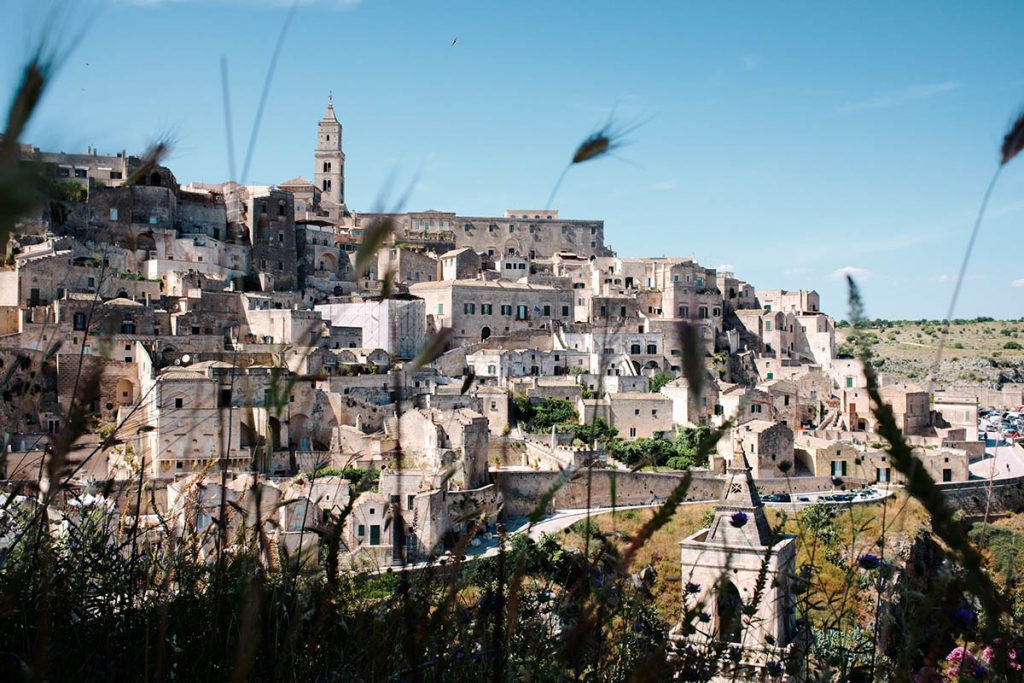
(660, 380)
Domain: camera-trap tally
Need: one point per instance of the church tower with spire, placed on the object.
(329, 175)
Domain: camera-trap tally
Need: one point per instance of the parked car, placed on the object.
(776, 498)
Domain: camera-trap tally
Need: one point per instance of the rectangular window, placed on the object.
(838, 468)
(506, 309)
(521, 312)
(469, 309)
(440, 309)
(565, 311)
(113, 214)
(849, 382)
(179, 403)
(409, 500)
(360, 530)
(485, 309)
(547, 310)
(632, 431)
(374, 534)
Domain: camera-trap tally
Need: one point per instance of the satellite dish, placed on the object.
(177, 361)
(186, 358)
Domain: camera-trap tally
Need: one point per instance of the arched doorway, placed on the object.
(730, 613)
(328, 262)
(154, 179)
(485, 333)
(298, 433)
(125, 392)
(275, 433)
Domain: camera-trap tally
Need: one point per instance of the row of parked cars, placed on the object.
(1009, 423)
(843, 497)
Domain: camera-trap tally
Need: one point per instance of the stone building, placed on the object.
(271, 226)
(396, 325)
(476, 310)
(741, 574)
(635, 415)
(764, 444)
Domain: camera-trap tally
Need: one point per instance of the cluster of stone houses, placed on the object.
(233, 331)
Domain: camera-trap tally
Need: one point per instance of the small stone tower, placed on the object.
(329, 175)
(739, 574)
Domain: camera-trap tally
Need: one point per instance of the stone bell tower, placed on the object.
(739, 574)
(329, 174)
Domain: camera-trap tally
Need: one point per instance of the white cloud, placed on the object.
(663, 185)
(910, 93)
(726, 267)
(798, 270)
(851, 271)
(953, 278)
(1019, 282)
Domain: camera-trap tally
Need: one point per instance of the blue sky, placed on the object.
(792, 141)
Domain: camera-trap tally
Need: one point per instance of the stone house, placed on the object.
(460, 264)
(406, 265)
(687, 409)
(503, 364)
(270, 223)
(741, 404)
(958, 412)
(635, 415)
(476, 309)
(765, 444)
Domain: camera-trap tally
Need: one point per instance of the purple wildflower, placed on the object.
(869, 561)
(692, 587)
(773, 668)
(738, 519)
(964, 617)
(704, 617)
(979, 672)
(961, 654)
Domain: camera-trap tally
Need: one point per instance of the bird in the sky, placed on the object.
(455, 40)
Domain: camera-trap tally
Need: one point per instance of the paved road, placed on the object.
(1000, 462)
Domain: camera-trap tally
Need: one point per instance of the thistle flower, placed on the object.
(704, 617)
(1013, 142)
(773, 668)
(869, 561)
(692, 588)
(738, 519)
(964, 617)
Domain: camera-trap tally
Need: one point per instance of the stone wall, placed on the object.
(522, 491)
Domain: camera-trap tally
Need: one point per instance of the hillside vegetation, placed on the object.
(980, 351)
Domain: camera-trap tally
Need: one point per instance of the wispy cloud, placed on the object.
(905, 95)
(953, 278)
(726, 268)
(1019, 282)
(664, 185)
(851, 271)
(798, 270)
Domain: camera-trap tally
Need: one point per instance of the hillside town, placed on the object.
(237, 345)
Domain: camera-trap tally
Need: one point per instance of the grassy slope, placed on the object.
(859, 528)
(974, 352)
